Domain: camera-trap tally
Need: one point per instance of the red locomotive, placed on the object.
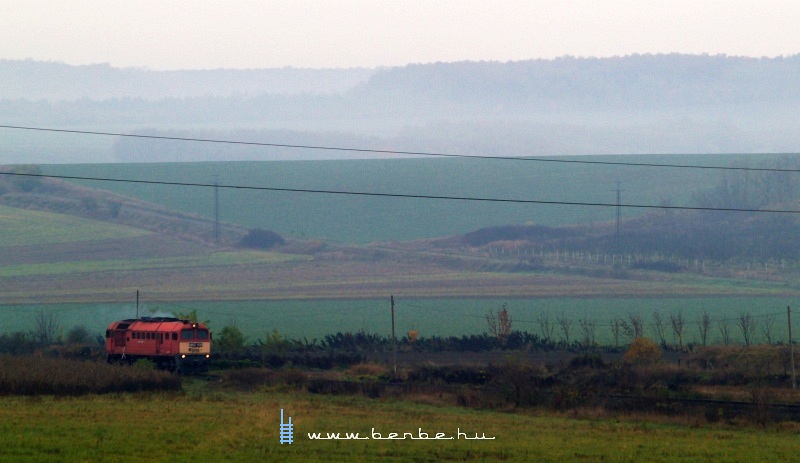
(172, 344)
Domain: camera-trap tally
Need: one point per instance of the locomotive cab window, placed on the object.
(174, 336)
(202, 334)
(187, 334)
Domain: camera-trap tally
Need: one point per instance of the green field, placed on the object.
(245, 427)
(338, 289)
(203, 261)
(357, 219)
(298, 319)
(23, 228)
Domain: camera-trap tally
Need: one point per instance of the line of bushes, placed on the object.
(35, 375)
(321, 361)
(586, 381)
(230, 343)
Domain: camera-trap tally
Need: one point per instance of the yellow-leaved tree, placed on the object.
(643, 351)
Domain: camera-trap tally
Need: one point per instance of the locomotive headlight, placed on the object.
(183, 356)
(208, 356)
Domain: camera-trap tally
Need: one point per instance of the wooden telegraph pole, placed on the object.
(216, 208)
(394, 341)
(791, 347)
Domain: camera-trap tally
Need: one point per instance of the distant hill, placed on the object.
(183, 212)
(640, 104)
(361, 219)
(51, 81)
(132, 217)
(637, 82)
(657, 235)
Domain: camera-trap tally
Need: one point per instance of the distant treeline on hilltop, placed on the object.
(40, 80)
(635, 81)
(632, 104)
(638, 81)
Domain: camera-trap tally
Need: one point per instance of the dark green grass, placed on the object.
(365, 219)
(430, 317)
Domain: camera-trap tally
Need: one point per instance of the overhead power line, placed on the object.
(407, 196)
(400, 152)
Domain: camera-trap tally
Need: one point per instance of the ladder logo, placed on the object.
(287, 431)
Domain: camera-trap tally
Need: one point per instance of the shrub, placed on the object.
(261, 239)
(18, 342)
(518, 383)
(367, 370)
(78, 335)
(230, 340)
(249, 378)
(145, 364)
(643, 351)
(28, 178)
(29, 375)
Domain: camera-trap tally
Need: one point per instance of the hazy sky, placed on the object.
(194, 34)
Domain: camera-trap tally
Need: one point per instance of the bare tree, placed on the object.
(634, 327)
(616, 328)
(500, 323)
(703, 325)
(587, 330)
(747, 325)
(724, 331)
(546, 326)
(678, 322)
(733, 190)
(659, 328)
(767, 323)
(491, 320)
(28, 178)
(565, 324)
(753, 190)
(48, 327)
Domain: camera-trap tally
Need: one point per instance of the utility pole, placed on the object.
(619, 211)
(216, 208)
(137, 303)
(394, 341)
(791, 347)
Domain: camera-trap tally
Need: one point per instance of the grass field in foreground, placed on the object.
(245, 426)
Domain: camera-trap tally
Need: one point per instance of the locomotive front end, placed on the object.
(194, 350)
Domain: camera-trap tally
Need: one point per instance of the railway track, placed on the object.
(722, 408)
(710, 408)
